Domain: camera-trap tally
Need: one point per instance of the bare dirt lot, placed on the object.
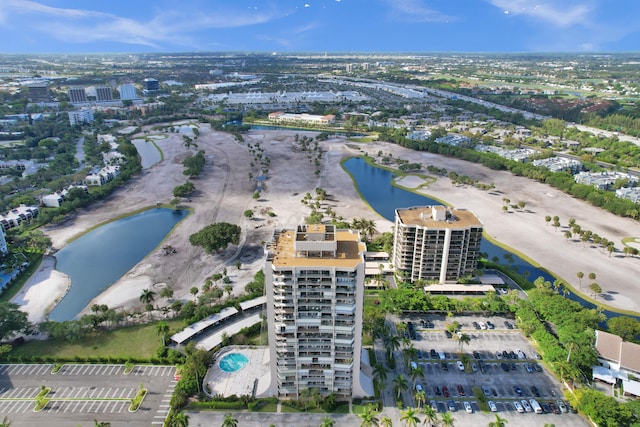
(224, 191)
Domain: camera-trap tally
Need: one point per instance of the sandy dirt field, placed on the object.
(224, 190)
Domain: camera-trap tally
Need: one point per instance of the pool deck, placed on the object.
(242, 381)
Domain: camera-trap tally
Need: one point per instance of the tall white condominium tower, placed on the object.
(128, 92)
(436, 243)
(314, 278)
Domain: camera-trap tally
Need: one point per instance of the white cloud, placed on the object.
(167, 26)
(415, 11)
(561, 13)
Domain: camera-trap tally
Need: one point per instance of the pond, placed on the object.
(375, 185)
(99, 258)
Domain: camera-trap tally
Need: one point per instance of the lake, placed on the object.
(375, 185)
(99, 258)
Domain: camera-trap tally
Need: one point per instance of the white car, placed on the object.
(419, 387)
(482, 325)
(492, 406)
(521, 354)
(414, 366)
(526, 405)
(467, 407)
(518, 406)
(460, 365)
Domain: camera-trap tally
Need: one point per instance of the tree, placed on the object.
(595, 289)
(401, 383)
(410, 417)
(194, 291)
(521, 204)
(229, 421)
(431, 415)
(248, 213)
(625, 327)
(447, 420)
(228, 289)
(162, 328)
(580, 275)
(386, 422)
(547, 219)
(567, 235)
(166, 292)
(463, 339)
(327, 422)
(180, 420)
(216, 236)
(498, 422)
(147, 296)
(183, 190)
(368, 417)
(592, 276)
(421, 398)
(380, 373)
(12, 320)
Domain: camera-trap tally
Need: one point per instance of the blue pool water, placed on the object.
(233, 362)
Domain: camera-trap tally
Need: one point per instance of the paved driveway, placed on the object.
(81, 393)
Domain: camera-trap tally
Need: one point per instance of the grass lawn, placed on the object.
(140, 341)
(269, 407)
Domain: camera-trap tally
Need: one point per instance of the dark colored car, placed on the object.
(476, 355)
(537, 367)
(506, 354)
(436, 390)
(447, 334)
(505, 366)
(476, 325)
(513, 355)
(535, 391)
(433, 354)
(513, 366)
(517, 390)
(445, 391)
(490, 325)
(444, 366)
(554, 408)
(508, 324)
(461, 391)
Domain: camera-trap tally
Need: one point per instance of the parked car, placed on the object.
(492, 406)
(562, 406)
(526, 405)
(461, 391)
(467, 407)
(434, 405)
(518, 406)
(460, 365)
(445, 391)
(474, 366)
(476, 355)
(517, 390)
(419, 387)
(505, 366)
(535, 391)
(423, 323)
(512, 355)
(447, 334)
(490, 325)
(508, 324)
(554, 408)
(537, 367)
(536, 355)
(499, 355)
(413, 365)
(451, 405)
(476, 325)
(445, 366)
(482, 325)
(433, 354)
(528, 367)
(436, 390)
(486, 391)
(505, 354)
(521, 354)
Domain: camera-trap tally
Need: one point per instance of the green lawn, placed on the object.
(140, 341)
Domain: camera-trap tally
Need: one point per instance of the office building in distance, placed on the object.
(314, 279)
(436, 243)
(150, 84)
(39, 92)
(77, 95)
(80, 116)
(127, 92)
(103, 93)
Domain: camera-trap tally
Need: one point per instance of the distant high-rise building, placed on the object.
(150, 84)
(128, 92)
(314, 280)
(38, 92)
(103, 93)
(77, 94)
(436, 243)
(349, 68)
(80, 116)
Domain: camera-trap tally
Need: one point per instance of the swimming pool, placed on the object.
(233, 362)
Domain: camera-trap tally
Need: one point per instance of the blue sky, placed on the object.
(68, 26)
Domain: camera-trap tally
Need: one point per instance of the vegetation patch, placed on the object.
(137, 400)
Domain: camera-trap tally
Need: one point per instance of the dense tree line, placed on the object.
(560, 180)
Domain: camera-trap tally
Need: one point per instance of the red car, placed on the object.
(461, 391)
(445, 391)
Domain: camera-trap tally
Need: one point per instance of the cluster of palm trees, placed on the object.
(366, 227)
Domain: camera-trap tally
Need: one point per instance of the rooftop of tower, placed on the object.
(438, 217)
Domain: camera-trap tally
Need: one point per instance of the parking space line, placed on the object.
(93, 368)
(86, 402)
(22, 403)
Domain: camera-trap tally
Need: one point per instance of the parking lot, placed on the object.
(500, 361)
(81, 393)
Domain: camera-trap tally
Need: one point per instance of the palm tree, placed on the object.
(166, 292)
(147, 296)
(327, 422)
(499, 422)
(401, 383)
(431, 415)
(229, 421)
(368, 417)
(386, 422)
(410, 417)
(421, 398)
(463, 339)
(162, 328)
(416, 373)
(380, 373)
(194, 291)
(580, 275)
(447, 420)
(180, 420)
(392, 344)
